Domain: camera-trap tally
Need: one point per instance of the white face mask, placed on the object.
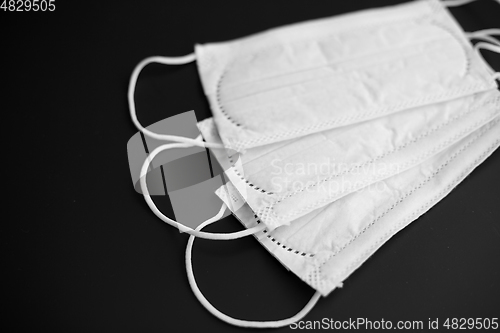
(399, 86)
(284, 181)
(313, 76)
(325, 246)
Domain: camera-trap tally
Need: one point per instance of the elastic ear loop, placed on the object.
(131, 100)
(490, 47)
(195, 232)
(184, 142)
(485, 35)
(222, 316)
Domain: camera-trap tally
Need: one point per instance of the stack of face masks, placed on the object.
(337, 133)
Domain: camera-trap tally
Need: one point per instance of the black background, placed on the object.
(82, 252)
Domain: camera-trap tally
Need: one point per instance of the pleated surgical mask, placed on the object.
(337, 133)
(325, 246)
(313, 76)
(309, 77)
(284, 181)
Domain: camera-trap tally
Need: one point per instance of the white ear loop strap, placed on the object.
(197, 233)
(183, 142)
(223, 316)
(131, 100)
(490, 47)
(485, 35)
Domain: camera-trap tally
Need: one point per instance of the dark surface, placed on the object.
(82, 252)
